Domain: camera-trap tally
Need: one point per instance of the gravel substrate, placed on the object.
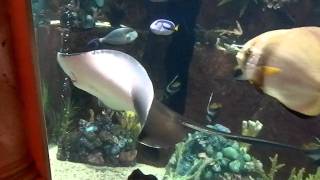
(64, 170)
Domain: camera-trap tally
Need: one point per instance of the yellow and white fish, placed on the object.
(285, 64)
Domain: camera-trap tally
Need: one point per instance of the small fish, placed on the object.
(219, 127)
(285, 64)
(163, 27)
(174, 86)
(213, 109)
(118, 36)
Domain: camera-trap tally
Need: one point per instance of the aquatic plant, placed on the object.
(44, 96)
(294, 175)
(130, 122)
(299, 175)
(63, 119)
(203, 156)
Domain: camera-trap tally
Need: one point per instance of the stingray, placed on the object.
(121, 83)
(115, 78)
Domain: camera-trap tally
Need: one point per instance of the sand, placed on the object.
(64, 170)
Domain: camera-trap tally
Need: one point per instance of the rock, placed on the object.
(230, 153)
(96, 159)
(235, 166)
(127, 157)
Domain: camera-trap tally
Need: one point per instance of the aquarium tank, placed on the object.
(180, 89)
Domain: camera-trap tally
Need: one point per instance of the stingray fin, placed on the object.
(269, 70)
(145, 140)
(140, 105)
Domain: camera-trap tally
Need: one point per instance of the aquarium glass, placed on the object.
(180, 89)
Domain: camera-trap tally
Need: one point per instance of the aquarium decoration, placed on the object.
(201, 156)
(250, 128)
(226, 34)
(107, 139)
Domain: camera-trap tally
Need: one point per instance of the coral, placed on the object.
(300, 174)
(250, 128)
(107, 139)
(203, 156)
(273, 169)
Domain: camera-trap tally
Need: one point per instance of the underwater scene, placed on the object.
(180, 89)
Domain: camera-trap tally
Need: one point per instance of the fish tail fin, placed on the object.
(177, 28)
(268, 70)
(314, 154)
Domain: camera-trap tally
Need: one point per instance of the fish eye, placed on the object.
(248, 53)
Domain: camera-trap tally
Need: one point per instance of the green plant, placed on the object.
(44, 95)
(62, 119)
(129, 121)
(298, 175)
(275, 166)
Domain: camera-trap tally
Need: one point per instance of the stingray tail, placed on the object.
(313, 154)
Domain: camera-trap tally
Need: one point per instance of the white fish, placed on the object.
(115, 78)
(163, 27)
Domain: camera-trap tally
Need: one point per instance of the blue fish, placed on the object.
(163, 27)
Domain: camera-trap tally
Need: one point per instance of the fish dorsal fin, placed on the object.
(269, 70)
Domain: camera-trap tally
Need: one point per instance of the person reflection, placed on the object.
(179, 51)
